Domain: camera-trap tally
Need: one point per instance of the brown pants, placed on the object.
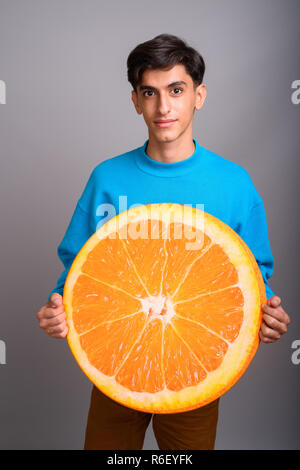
(117, 427)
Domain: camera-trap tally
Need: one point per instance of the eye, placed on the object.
(147, 91)
(180, 89)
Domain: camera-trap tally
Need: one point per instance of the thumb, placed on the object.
(55, 299)
(274, 301)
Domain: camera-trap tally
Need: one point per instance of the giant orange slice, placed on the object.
(163, 304)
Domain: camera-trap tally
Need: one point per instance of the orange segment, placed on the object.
(164, 310)
(177, 264)
(210, 272)
(207, 347)
(147, 253)
(102, 344)
(181, 367)
(109, 262)
(142, 371)
(221, 311)
(95, 302)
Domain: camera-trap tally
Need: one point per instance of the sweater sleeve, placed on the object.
(79, 230)
(255, 234)
(77, 234)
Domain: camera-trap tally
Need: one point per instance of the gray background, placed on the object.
(69, 108)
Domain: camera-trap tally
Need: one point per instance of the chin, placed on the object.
(165, 135)
(165, 139)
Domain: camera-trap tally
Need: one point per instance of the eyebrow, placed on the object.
(149, 87)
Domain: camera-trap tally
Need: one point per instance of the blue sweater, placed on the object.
(133, 178)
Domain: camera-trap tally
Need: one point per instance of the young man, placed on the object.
(166, 75)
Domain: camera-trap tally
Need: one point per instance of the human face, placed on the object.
(168, 95)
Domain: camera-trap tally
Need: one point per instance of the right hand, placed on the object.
(52, 317)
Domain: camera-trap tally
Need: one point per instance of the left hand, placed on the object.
(274, 321)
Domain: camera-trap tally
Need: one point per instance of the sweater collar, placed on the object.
(154, 167)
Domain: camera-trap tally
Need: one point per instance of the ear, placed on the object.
(200, 96)
(134, 98)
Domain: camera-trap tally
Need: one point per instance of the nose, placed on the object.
(164, 106)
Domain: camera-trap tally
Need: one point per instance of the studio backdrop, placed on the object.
(65, 106)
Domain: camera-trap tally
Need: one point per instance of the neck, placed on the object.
(171, 151)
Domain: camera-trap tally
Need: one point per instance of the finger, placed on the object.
(277, 313)
(275, 324)
(56, 320)
(265, 339)
(274, 301)
(50, 312)
(269, 332)
(39, 315)
(55, 300)
(56, 330)
(61, 335)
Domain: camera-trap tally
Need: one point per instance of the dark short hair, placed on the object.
(163, 52)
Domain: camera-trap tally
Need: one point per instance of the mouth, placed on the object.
(165, 123)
